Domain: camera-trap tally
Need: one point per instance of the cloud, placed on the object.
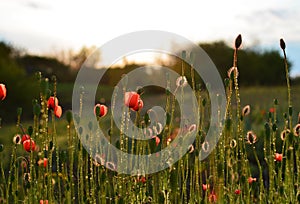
(36, 5)
(272, 24)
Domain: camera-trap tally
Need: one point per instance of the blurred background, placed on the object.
(55, 37)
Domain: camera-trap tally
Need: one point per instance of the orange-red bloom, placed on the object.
(29, 145)
(102, 110)
(52, 102)
(58, 111)
(133, 101)
(251, 180)
(212, 197)
(157, 140)
(237, 192)
(278, 157)
(43, 162)
(24, 138)
(2, 92)
(205, 187)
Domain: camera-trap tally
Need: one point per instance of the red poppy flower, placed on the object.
(237, 192)
(52, 102)
(57, 111)
(29, 145)
(157, 140)
(138, 106)
(2, 92)
(142, 179)
(24, 138)
(212, 197)
(278, 157)
(272, 110)
(251, 180)
(205, 187)
(133, 101)
(102, 110)
(43, 162)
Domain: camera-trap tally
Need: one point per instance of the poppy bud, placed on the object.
(238, 41)
(282, 44)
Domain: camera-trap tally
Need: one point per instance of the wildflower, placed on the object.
(246, 110)
(138, 106)
(100, 110)
(2, 92)
(29, 145)
(205, 146)
(131, 99)
(237, 192)
(251, 180)
(181, 81)
(43, 162)
(284, 133)
(24, 138)
(205, 187)
(278, 157)
(142, 179)
(251, 137)
(297, 130)
(57, 111)
(212, 197)
(191, 148)
(52, 102)
(157, 140)
(233, 71)
(43, 201)
(17, 139)
(272, 110)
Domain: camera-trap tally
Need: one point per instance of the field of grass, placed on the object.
(255, 160)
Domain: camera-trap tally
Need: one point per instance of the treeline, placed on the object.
(17, 71)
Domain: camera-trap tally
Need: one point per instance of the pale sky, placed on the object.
(43, 26)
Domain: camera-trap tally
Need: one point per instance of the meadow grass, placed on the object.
(256, 159)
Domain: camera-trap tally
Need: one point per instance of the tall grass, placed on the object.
(247, 165)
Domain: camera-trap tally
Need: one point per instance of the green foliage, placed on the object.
(256, 68)
(20, 88)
